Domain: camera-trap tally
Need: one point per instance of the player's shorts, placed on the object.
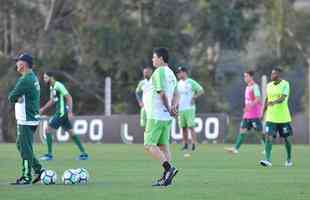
(60, 121)
(142, 117)
(284, 129)
(187, 118)
(250, 124)
(157, 132)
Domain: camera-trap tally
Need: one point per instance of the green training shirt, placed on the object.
(26, 96)
(58, 93)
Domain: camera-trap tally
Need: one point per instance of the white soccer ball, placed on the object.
(48, 177)
(84, 175)
(70, 176)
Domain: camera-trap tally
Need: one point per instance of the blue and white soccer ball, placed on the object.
(48, 177)
(84, 175)
(70, 176)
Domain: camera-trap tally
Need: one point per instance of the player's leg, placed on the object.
(164, 141)
(190, 121)
(25, 140)
(53, 125)
(183, 126)
(152, 137)
(243, 130)
(286, 132)
(67, 126)
(270, 134)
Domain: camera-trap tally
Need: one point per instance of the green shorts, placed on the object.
(56, 121)
(157, 132)
(249, 124)
(187, 118)
(142, 117)
(284, 129)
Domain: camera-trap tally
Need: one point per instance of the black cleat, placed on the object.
(22, 181)
(170, 175)
(160, 182)
(38, 176)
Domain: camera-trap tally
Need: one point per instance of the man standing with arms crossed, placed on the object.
(160, 109)
(143, 88)
(189, 90)
(26, 96)
(277, 116)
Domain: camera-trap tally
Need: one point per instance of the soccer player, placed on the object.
(26, 96)
(277, 116)
(160, 109)
(252, 112)
(60, 96)
(189, 90)
(142, 89)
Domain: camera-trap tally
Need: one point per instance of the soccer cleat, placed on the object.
(170, 174)
(232, 150)
(83, 156)
(47, 157)
(160, 182)
(288, 163)
(38, 176)
(22, 181)
(265, 163)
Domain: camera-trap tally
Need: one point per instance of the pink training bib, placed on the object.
(255, 111)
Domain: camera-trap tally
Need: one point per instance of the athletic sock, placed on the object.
(240, 139)
(288, 147)
(49, 141)
(77, 141)
(193, 147)
(166, 165)
(268, 148)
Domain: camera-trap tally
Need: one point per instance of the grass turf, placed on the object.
(119, 171)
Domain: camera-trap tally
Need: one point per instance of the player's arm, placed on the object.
(18, 91)
(69, 101)
(47, 106)
(198, 90)
(175, 101)
(265, 106)
(139, 94)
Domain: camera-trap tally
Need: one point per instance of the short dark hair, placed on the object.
(250, 72)
(162, 52)
(54, 74)
(148, 67)
(278, 69)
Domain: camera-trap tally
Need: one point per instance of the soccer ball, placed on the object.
(70, 176)
(84, 175)
(48, 177)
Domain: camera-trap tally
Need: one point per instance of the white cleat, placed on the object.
(288, 163)
(265, 163)
(232, 150)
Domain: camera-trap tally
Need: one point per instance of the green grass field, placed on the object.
(125, 172)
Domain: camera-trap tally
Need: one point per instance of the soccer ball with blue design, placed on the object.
(84, 175)
(70, 177)
(48, 177)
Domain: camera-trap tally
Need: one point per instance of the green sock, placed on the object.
(77, 141)
(240, 139)
(268, 148)
(49, 141)
(288, 147)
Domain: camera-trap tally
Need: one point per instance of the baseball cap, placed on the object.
(25, 57)
(182, 69)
